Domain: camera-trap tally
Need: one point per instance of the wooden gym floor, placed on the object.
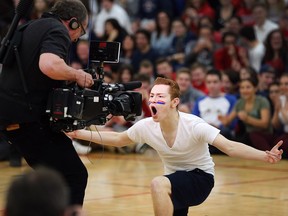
(119, 185)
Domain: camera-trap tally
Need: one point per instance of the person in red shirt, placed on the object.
(231, 56)
(276, 53)
(165, 69)
(245, 12)
(203, 8)
(198, 73)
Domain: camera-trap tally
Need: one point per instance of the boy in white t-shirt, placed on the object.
(181, 141)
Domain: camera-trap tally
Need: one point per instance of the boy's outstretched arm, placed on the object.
(240, 150)
(103, 137)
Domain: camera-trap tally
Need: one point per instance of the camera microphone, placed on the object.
(131, 85)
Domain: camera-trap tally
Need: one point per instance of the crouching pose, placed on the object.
(181, 141)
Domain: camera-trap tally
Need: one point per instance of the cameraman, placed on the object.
(43, 51)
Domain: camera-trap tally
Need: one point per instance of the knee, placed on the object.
(160, 184)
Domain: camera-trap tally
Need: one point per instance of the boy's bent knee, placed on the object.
(160, 184)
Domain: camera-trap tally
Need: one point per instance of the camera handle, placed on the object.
(100, 71)
(97, 73)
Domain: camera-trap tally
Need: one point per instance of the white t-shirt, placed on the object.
(209, 108)
(116, 12)
(263, 31)
(256, 55)
(190, 149)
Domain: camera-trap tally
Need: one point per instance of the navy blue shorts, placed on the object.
(190, 188)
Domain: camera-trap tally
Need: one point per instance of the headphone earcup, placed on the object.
(73, 24)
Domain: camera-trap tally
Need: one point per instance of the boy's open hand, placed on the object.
(275, 154)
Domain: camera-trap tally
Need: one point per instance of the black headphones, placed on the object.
(74, 24)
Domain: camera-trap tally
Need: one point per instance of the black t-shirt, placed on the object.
(46, 35)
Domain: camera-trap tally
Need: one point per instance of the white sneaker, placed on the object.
(81, 149)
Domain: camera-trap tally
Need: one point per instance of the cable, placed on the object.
(90, 142)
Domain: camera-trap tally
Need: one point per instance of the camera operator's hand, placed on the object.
(83, 79)
(55, 67)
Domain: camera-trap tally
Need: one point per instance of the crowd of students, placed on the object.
(229, 58)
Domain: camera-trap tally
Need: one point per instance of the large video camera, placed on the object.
(73, 108)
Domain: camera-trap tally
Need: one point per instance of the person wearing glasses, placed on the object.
(43, 52)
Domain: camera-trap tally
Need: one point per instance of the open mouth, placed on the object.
(154, 110)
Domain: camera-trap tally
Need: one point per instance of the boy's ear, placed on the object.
(175, 102)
